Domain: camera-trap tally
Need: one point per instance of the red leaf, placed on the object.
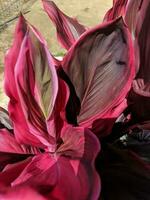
(37, 86)
(68, 29)
(10, 158)
(118, 10)
(12, 171)
(11, 151)
(101, 68)
(15, 109)
(58, 117)
(32, 108)
(8, 143)
(131, 14)
(20, 193)
(69, 169)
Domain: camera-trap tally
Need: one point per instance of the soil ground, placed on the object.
(89, 13)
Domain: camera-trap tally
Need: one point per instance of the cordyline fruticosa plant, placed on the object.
(61, 111)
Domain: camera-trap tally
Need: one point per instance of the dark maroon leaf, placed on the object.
(139, 97)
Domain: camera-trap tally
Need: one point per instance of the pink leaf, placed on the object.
(8, 142)
(10, 158)
(15, 109)
(129, 10)
(12, 56)
(58, 117)
(118, 10)
(101, 68)
(11, 151)
(20, 193)
(69, 169)
(37, 85)
(68, 29)
(131, 14)
(12, 171)
(32, 108)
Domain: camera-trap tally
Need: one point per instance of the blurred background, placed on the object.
(89, 13)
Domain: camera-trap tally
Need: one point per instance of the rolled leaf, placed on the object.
(15, 109)
(118, 10)
(129, 10)
(94, 65)
(73, 103)
(36, 86)
(68, 29)
(58, 118)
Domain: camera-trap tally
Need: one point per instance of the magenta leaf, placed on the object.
(118, 10)
(20, 193)
(45, 76)
(10, 158)
(12, 56)
(135, 14)
(14, 107)
(11, 151)
(59, 114)
(131, 14)
(36, 88)
(37, 85)
(67, 170)
(68, 29)
(93, 65)
(129, 10)
(12, 171)
(8, 142)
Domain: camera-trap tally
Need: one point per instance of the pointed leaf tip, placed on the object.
(68, 29)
